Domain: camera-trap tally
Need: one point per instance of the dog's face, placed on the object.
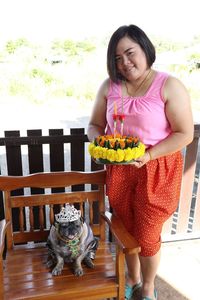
(70, 230)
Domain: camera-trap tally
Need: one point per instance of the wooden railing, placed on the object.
(185, 223)
(58, 152)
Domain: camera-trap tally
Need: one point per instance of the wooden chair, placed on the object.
(23, 274)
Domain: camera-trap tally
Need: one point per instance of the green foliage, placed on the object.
(195, 56)
(178, 69)
(69, 46)
(11, 45)
(164, 45)
(86, 46)
(70, 91)
(16, 87)
(74, 76)
(194, 60)
(72, 48)
(37, 73)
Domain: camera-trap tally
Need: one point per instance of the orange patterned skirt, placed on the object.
(145, 198)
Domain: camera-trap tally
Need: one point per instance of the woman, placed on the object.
(157, 110)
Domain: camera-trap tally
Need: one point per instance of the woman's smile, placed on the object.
(130, 58)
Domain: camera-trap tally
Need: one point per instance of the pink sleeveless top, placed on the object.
(144, 115)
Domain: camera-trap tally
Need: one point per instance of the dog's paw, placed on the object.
(78, 272)
(88, 262)
(49, 263)
(56, 271)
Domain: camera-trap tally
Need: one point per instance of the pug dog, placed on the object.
(70, 240)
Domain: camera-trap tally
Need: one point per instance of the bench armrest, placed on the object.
(3, 229)
(123, 238)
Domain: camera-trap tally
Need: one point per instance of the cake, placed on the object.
(116, 149)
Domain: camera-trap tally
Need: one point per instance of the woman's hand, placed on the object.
(142, 160)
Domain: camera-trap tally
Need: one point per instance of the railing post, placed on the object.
(187, 187)
(14, 167)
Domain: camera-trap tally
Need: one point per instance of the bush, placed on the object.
(37, 73)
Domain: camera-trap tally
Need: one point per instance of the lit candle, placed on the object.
(115, 108)
(121, 119)
(115, 116)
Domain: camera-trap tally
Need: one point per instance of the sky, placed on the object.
(45, 20)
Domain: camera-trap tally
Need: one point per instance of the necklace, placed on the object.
(73, 245)
(139, 86)
(122, 98)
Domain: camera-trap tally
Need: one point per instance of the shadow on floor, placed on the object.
(166, 291)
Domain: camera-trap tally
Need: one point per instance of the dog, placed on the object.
(70, 240)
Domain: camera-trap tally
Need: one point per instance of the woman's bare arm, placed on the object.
(179, 115)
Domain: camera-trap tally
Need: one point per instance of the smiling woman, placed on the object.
(156, 109)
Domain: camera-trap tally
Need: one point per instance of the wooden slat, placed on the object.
(95, 167)
(40, 140)
(35, 153)
(77, 154)
(196, 224)
(120, 260)
(13, 155)
(34, 280)
(197, 130)
(56, 152)
(37, 235)
(34, 236)
(2, 216)
(187, 187)
(56, 160)
(8, 218)
(52, 179)
(35, 158)
(61, 198)
(14, 167)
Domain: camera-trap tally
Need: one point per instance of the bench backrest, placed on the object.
(43, 194)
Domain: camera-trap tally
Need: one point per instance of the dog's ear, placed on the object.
(56, 224)
(82, 219)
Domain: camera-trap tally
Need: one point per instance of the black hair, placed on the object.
(139, 37)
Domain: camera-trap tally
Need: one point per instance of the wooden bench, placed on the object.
(23, 274)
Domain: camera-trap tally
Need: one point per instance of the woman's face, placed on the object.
(130, 59)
